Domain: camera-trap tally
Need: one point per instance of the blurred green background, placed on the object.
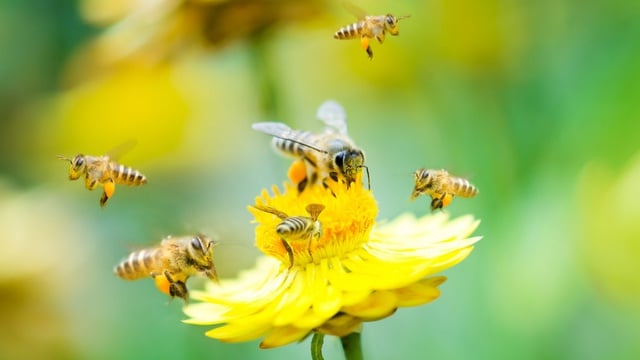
(538, 103)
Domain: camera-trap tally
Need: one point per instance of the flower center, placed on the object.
(291, 229)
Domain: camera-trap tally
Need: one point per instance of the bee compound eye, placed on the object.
(195, 242)
(339, 159)
(79, 161)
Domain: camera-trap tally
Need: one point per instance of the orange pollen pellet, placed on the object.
(109, 188)
(162, 283)
(446, 200)
(297, 171)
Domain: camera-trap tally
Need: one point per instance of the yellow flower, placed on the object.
(355, 271)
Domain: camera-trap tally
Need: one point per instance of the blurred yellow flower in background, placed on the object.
(156, 31)
(357, 271)
(609, 209)
(44, 264)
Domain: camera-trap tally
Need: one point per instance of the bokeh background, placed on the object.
(538, 103)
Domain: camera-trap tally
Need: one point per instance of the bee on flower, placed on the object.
(294, 229)
(358, 270)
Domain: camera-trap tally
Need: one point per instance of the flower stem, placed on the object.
(352, 346)
(316, 346)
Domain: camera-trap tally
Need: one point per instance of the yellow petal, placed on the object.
(419, 293)
(310, 320)
(300, 302)
(378, 305)
(282, 336)
(341, 325)
(244, 331)
(205, 314)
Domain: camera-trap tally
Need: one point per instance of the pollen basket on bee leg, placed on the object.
(297, 172)
(162, 283)
(109, 188)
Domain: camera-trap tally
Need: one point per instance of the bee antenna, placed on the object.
(62, 157)
(368, 177)
(403, 17)
(303, 144)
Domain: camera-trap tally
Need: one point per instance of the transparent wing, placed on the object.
(354, 9)
(118, 151)
(282, 131)
(332, 113)
(276, 129)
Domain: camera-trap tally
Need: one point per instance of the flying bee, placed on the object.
(330, 154)
(102, 171)
(441, 186)
(297, 228)
(369, 27)
(171, 263)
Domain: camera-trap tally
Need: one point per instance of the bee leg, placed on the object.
(309, 250)
(90, 183)
(302, 185)
(109, 189)
(364, 42)
(380, 38)
(437, 202)
(289, 251)
(177, 287)
(326, 186)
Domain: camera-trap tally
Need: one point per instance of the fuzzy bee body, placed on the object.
(297, 228)
(441, 186)
(351, 31)
(370, 27)
(102, 171)
(125, 175)
(174, 261)
(327, 155)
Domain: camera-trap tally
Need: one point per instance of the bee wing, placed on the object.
(117, 151)
(276, 129)
(282, 131)
(270, 210)
(332, 113)
(354, 9)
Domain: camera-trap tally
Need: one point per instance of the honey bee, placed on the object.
(441, 186)
(369, 27)
(297, 228)
(101, 170)
(330, 154)
(171, 263)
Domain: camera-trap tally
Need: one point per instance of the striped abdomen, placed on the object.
(126, 175)
(350, 31)
(293, 145)
(140, 264)
(462, 187)
(296, 226)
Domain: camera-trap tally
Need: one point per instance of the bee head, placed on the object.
(76, 167)
(201, 253)
(423, 181)
(391, 23)
(350, 162)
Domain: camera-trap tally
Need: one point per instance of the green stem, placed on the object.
(316, 346)
(352, 346)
